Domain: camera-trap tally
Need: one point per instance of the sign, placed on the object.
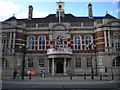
(59, 51)
(32, 72)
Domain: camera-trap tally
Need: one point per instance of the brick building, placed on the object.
(61, 43)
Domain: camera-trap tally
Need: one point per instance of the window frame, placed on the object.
(78, 44)
(78, 63)
(30, 62)
(4, 63)
(90, 41)
(30, 45)
(43, 63)
(42, 43)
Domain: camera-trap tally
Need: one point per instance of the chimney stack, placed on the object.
(30, 13)
(90, 14)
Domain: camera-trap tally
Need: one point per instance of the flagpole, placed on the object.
(59, 16)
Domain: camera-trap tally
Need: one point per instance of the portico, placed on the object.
(59, 61)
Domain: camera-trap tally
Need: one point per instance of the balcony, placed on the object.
(53, 51)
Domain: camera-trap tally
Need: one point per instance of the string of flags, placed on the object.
(60, 40)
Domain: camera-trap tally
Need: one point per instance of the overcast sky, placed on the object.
(42, 8)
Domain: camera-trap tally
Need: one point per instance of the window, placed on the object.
(30, 63)
(4, 41)
(88, 40)
(116, 41)
(41, 43)
(31, 43)
(41, 62)
(4, 63)
(4, 44)
(116, 61)
(88, 62)
(77, 42)
(77, 62)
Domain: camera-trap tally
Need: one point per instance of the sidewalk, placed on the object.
(62, 80)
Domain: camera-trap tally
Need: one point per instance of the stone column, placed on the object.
(48, 65)
(65, 66)
(14, 35)
(105, 38)
(109, 38)
(53, 67)
(10, 39)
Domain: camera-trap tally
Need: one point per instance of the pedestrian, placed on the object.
(15, 73)
(43, 73)
(106, 73)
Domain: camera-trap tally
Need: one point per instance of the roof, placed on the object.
(67, 18)
(11, 18)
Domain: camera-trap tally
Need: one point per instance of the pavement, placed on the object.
(62, 81)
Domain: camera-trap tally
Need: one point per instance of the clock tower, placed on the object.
(60, 9)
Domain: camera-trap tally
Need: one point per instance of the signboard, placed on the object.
(59, 51)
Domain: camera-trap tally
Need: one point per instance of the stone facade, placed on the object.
(74, 43)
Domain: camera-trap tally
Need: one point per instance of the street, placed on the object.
(72, 85)
(60, 83)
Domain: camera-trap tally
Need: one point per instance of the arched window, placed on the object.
(41, 43)
(116, 41)
(77, 42)
(116, 61)
(88, 40)
(31, 43)
(4, 63)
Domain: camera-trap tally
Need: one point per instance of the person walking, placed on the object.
(43, 73)
(15, 73)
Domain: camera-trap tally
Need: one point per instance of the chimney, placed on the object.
(90, 14)
(30, 13)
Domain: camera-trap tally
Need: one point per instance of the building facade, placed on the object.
(61, 43)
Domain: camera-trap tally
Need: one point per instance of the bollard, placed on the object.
(70, 76)
(100, 76)
(85, 76)
(112, 76)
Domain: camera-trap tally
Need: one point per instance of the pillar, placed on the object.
(105, 38)
(53, 67)
(13, 47)
(65, 66)
(48, 66)
(10, 39)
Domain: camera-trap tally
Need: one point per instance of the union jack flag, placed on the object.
(61, 38)
(58, 42)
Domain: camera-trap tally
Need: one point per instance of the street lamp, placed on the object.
(90, 48)
(23, 47)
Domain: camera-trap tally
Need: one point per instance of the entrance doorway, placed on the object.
(59, 67)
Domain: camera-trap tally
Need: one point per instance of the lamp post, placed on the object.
(90, 48)
(23, 47)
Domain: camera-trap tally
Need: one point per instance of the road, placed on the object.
(58, 86)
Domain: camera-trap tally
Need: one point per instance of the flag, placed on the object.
(61, 38)
(55, 46)
(58, 42)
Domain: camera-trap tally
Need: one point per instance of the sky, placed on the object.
(42, 8)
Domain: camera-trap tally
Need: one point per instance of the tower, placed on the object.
(90, 14)
(30, 13)
(60, 10)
